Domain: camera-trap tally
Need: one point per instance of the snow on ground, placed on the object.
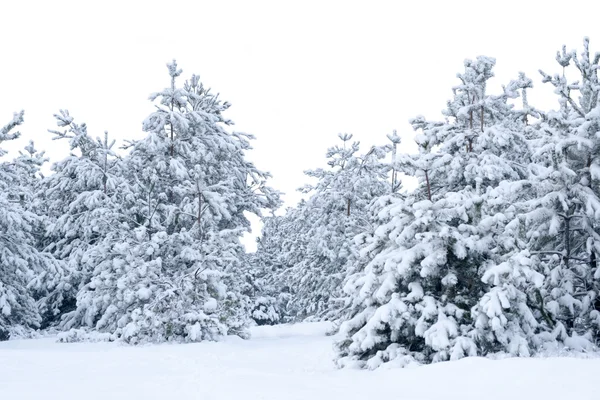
(278, 363)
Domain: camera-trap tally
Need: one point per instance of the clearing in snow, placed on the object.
(282, 362)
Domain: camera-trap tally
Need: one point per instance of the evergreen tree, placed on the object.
(412, 301)
(23, 269)
(560, 211)
(175, 272)
(269, 295)
(312, 263)
(27, 166)
(80, 201)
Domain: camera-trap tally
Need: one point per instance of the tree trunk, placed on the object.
(428, 185)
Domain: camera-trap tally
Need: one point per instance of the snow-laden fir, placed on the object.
(493, 252)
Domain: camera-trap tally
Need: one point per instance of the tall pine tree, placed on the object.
(412, 300)
(175, 274)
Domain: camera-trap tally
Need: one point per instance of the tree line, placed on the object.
(493, 251)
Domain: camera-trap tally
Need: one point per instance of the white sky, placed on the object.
(296, 72)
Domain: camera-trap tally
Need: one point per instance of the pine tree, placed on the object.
(175, 272)
(313, 262)
(282, 246)
(506, 318)
(273, 301)
(561, 210)
(27, 166)
(23, 269)
(412, 300)
(80, 200)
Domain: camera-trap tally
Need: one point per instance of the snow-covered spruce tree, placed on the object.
(80, 201)
(20, 262)
(560, 215)
(271, 297)
(412, 301)
(507, 318)
(282, 245)
(174, 274)
(27, 166)
(370, 221)
(314, 258)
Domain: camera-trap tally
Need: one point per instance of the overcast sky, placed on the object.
(296, 72)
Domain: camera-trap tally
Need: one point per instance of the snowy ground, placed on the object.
(278, 363)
